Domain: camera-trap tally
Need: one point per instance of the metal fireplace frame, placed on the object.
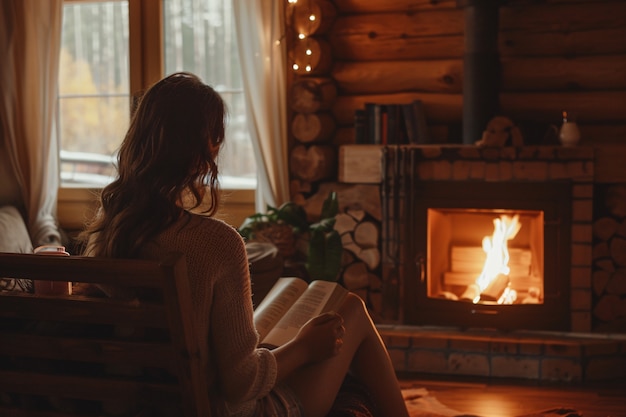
(549, 198)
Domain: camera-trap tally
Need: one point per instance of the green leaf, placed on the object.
(330, 208)
(334, 252)
(324, 257)
(294, 215)
(327, 224)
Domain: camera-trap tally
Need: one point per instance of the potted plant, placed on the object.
(285, 225)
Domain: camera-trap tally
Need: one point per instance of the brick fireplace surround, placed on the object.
(572, 355)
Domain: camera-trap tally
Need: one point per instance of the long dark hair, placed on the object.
(167, 160)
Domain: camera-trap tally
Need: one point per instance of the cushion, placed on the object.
(14, 238)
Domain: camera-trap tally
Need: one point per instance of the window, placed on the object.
(95, 81)
(200, 37)
(94, 90)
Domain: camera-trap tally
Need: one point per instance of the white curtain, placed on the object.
(30, 37)
(259, 25)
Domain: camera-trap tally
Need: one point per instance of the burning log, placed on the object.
(471, 294)
(496, 287)
(533, 296)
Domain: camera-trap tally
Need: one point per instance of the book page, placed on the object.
(281, 296)
(320, 297)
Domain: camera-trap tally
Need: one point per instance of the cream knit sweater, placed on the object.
(238, 372)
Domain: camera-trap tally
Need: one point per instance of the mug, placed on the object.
(52, 287)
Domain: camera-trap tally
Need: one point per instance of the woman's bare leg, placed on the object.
(363, 353)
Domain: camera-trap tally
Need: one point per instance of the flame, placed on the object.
(505, 228)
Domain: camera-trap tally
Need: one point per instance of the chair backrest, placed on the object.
(95, 355)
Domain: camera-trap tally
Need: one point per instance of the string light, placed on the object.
(303, 35)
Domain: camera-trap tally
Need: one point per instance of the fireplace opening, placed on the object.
(438, 234)
(489, 257)
(453, 223)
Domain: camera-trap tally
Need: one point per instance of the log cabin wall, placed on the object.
(554, 56)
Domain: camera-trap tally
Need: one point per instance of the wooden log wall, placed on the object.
(312, 93)
(555, 55)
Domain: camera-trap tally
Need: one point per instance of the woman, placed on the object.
(166, 164)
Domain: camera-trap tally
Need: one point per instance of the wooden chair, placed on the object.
(63, 355)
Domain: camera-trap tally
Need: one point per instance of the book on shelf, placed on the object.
(384, 140)
(373, 116)
(396, 131)
(360, 127)
(391, 124)
(290, 303)
(415, 122)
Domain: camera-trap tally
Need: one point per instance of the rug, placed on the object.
(421, 404)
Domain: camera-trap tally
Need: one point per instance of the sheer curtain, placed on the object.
(259, 25)
(30, 37)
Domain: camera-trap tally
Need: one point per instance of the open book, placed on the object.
(292, 302)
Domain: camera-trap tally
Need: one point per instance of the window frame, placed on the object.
(146, 66)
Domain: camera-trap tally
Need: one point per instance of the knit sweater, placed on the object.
(238, 372)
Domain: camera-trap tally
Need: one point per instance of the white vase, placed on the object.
(569, 134)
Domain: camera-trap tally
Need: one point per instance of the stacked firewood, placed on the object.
(609, 254)
(360, 239)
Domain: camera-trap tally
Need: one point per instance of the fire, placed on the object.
(496, 263)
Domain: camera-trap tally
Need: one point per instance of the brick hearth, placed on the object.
(546, 356)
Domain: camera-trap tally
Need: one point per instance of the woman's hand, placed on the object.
(322, 336)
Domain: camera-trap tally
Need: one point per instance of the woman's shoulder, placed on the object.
(209, 229)
(197, 235)
(212, 223)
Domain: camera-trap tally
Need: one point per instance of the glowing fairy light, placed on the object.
(303, 36)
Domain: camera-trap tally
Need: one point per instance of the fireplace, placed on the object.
(489, 255)
(486, 238)
(552, 189)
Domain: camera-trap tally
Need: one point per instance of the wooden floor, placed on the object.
(514, 398)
